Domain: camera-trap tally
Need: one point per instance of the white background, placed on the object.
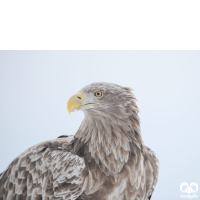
(35, 87)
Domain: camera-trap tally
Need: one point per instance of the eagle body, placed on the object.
(105, 160)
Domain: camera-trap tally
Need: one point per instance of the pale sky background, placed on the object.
(35, 87)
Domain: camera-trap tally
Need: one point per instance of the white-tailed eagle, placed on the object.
(105, 160)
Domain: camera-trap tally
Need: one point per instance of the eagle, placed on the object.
(105, 160)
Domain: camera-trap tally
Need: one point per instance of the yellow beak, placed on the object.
(75, 102)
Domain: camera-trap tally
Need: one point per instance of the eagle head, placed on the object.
(101, 97)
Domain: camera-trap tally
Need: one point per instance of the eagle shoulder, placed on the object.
(45, 171)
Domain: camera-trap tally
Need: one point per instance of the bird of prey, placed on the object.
(105, 160)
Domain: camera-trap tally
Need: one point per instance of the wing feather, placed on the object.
(44, 171)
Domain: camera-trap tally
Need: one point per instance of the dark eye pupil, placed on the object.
(98, 94)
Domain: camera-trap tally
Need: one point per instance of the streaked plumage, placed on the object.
(105, 160)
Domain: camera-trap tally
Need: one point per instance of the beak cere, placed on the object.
(75, 102)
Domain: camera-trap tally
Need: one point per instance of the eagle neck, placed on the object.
(108, 141)
(111, 131)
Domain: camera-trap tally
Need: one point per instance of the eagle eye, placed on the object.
(98, 94)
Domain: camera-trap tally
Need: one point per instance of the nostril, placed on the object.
(78, 97)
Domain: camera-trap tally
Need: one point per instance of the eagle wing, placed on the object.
(154, 168)
(45, 171)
